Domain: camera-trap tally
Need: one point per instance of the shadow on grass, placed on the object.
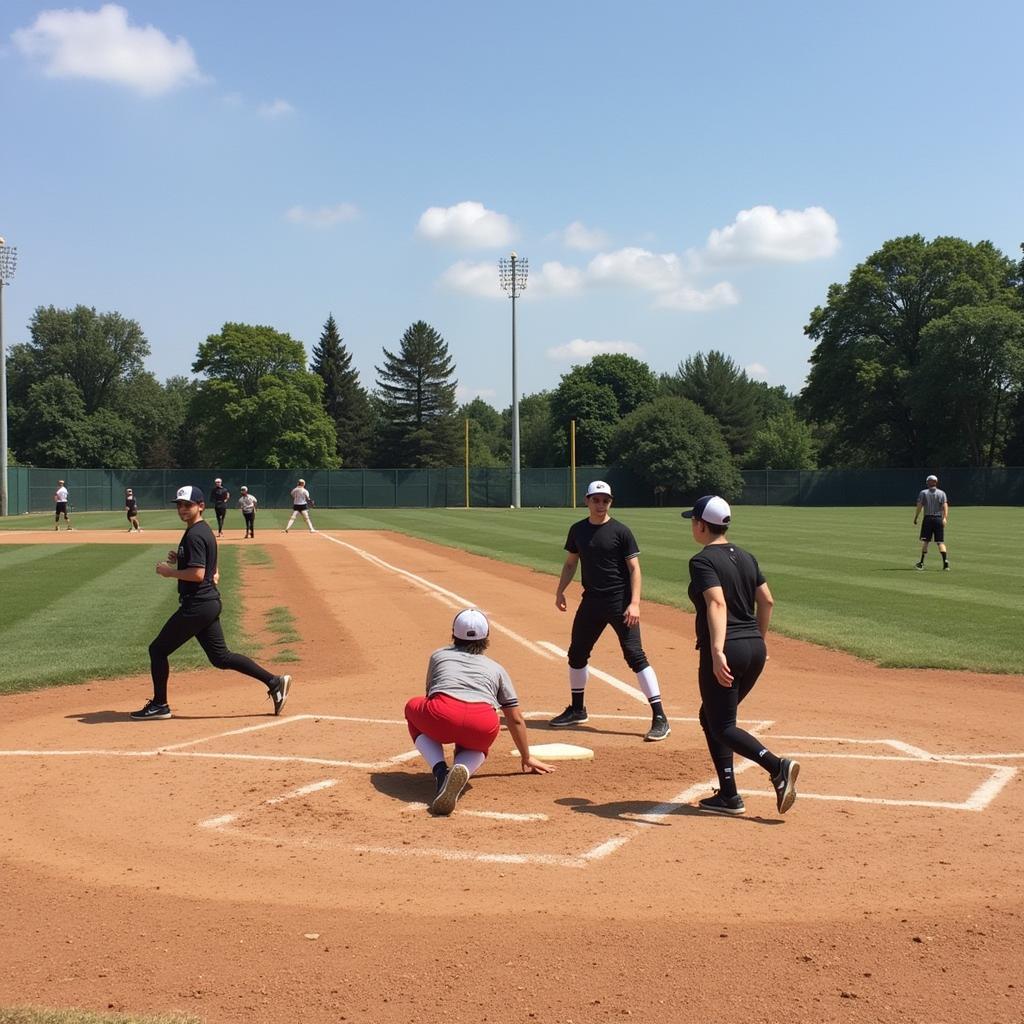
(633, 811)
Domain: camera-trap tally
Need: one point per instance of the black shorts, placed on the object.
(932, 528)
(132, 513)
(61, 506)
(299, 508)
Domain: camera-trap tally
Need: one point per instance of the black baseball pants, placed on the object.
(250, 523)
(221, 511)
(199, 619)
(719, 704)
(592, 616)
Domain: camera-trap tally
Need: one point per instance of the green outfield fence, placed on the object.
(30, 489)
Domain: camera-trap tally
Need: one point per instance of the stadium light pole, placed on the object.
(8, 264)
(512, 271)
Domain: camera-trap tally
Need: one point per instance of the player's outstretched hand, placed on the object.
(535, 766)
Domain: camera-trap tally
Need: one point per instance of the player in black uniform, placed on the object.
(610, 562)
(131, 507)
(220, 504)
(194, 566)
(725, 587)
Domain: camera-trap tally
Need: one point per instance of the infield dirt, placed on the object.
(289, 873)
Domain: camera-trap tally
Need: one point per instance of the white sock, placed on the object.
(648, 682)
(472, 759)
(292, 520)
(578, 678)
(431, 750)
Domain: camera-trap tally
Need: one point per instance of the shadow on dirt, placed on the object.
(634, 810)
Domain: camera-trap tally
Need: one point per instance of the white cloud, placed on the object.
(763, 234)
(480, 279)
(102, 45)
(324, 217)
(469, 225)
(581, 350)
(638, 268)
(757, 371)
(699, 300)
(278, 108)
(555, 279)
(578, 236)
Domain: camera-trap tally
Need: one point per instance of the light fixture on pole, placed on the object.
(512, 271)
(8, 264)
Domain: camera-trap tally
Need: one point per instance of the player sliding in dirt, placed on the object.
(464, 690)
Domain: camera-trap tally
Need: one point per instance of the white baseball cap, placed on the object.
(470, 624)
(710, 509)
(192, 494)
(598, 487)
(930, 478)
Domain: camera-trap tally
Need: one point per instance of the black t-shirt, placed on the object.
(734, 570)
(604, 551)
(219, 496)
(131, 505)
(198, 547)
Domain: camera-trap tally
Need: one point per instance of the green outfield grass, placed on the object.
(842, 577)
(72, 612)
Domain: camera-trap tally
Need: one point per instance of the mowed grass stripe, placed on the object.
(109, 606)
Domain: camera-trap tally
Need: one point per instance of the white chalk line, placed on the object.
(458, 601)
(491, 815)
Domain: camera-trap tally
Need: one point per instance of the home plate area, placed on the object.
(371, 789)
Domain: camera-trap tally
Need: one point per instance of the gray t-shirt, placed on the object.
(932, 501)
(474, 678)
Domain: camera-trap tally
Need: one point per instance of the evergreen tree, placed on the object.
(345, 400)
(416, 402)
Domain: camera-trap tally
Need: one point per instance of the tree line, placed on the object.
(918, 359)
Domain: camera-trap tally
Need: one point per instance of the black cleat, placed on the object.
(919, 566)
(719, 804)
(945, 568)
(570, 716)
(659, 730)
(151, 711)
(450, 791)
(785, 784)
(278, 692)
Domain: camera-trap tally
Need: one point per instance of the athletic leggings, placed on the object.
(221, 513)
(746, 659)
(199, 619)
(250, 523)
(592, 616)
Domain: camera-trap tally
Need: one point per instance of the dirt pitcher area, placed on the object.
(246, 868)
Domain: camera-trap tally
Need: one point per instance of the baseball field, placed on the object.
(232, 866)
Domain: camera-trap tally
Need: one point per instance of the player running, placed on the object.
(131, 508)
(194, 566)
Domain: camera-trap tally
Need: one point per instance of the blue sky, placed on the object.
(681, 176)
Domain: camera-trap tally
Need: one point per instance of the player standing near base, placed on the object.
(935, 505)
(301, 502)
(60, 504)
(464, 690)
(131, 508)
(610, 561)
(247, 503)
(194, 566)
(220, 496)
(733, 606)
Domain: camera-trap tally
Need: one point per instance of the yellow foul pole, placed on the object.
(572, 459)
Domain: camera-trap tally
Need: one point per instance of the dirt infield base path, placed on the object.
(246, 868)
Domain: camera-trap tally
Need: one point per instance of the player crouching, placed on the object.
(464, 690)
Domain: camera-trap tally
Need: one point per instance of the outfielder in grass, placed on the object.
(194, 566)
(733, 606)
(610, 561)
(464, 690)
(61, 502)
(935, 505)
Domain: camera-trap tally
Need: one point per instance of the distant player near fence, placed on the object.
(301, 504)
(131, 508)
(219, 496)
(247, 503)
(61, 501)
(935, 505)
